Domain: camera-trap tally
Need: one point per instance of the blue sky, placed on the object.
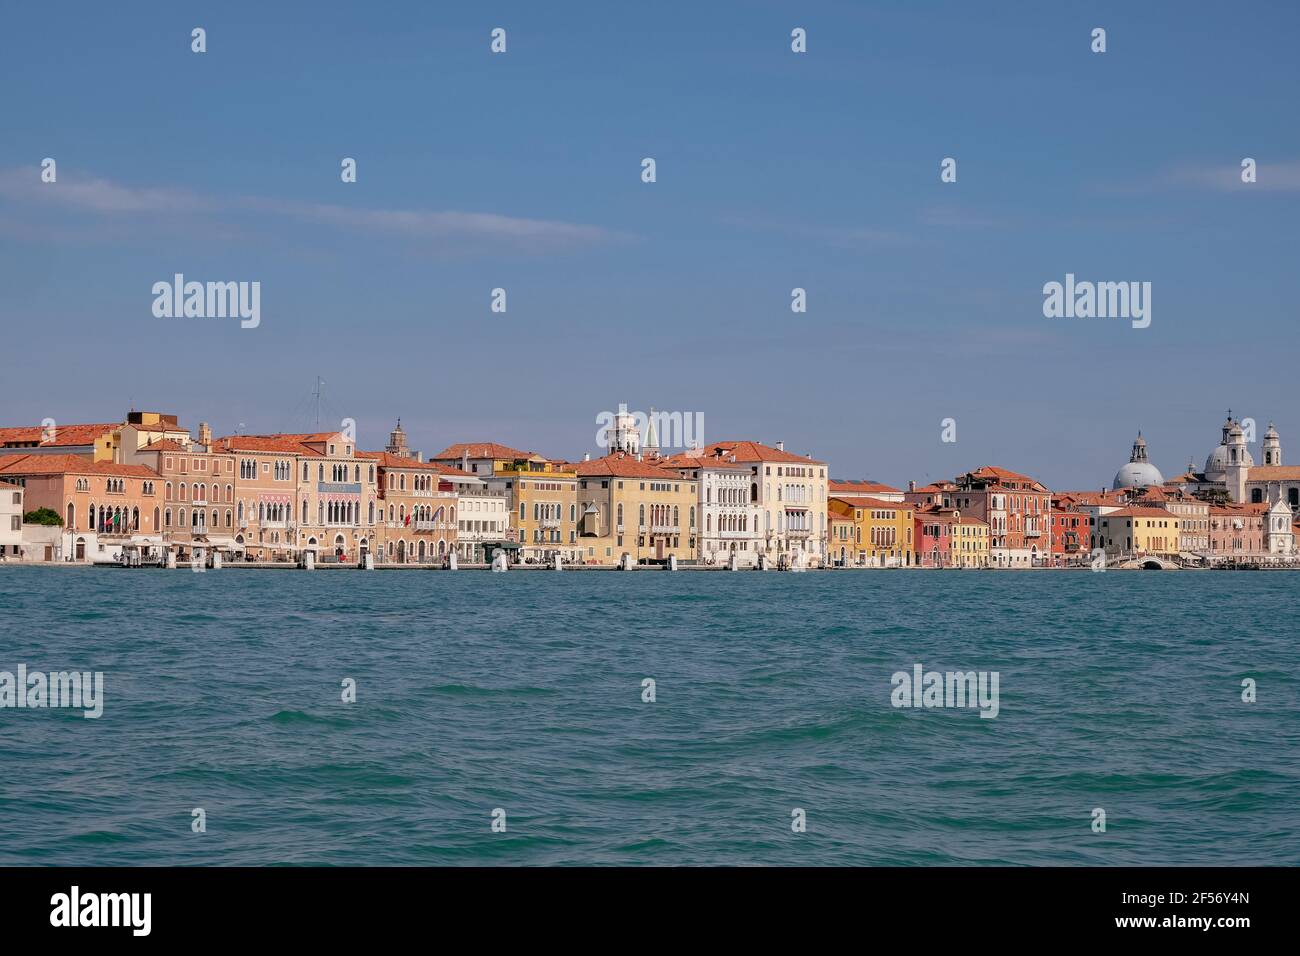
(775, 170)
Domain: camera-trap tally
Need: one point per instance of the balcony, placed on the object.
(338, 488)
(1033, 532)
(663, 529)
(549, 522)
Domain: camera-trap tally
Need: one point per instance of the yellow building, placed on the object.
(544, 507)
(126, 441)
(630, 506)
(1137, 529)
(882, 530)
(841, 552)
(970, 542)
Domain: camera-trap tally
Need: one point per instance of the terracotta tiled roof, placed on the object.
(862, 488)
(276, 444)
(757, 451)
(696, 458)
(934, 487)
(992, 474)
(165, 444)
(452, 472)
(69, 464)
(1245, 507)
(620, 465)
(482, 449)
(1139, 512)
(63, 435)
(1094, 498)
(1150, 493)
(866, 501)
(387, 460)
(1273, 473)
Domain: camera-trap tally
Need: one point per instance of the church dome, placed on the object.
(1138, 472)
(1216, 465)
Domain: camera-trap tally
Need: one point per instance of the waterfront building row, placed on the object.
(147, 485)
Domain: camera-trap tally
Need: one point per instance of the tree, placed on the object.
(43, 516)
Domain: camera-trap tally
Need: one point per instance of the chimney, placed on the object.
(780, 446)
(464, 460)
(586, 456)
(205, 436)
(911, 485)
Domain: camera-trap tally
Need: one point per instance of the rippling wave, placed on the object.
(523, 692)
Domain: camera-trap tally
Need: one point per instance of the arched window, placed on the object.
(642, 513)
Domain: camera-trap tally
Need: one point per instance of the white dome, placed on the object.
(1216, 466)
(1138, 474)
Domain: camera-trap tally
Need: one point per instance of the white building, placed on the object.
(1273, 481)
(790, 493)
(730, 521)
(1231, 467)
(482, 516)
(11, 521)
(1279, 536)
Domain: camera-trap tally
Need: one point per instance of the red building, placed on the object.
(934, 535)
(1018, 511)
(1071, 530)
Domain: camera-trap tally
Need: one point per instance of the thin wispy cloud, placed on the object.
(846, 236)
(434, 224)
(953, 216)
(104, 198)
(1270, 176)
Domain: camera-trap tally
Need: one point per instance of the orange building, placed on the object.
(298, 493)
(105, 507)
(417, 509)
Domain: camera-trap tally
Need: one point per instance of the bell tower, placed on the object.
(397, 442)
(1272, 446)
(1239, 462)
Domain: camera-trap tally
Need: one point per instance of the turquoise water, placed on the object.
(523, 691)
